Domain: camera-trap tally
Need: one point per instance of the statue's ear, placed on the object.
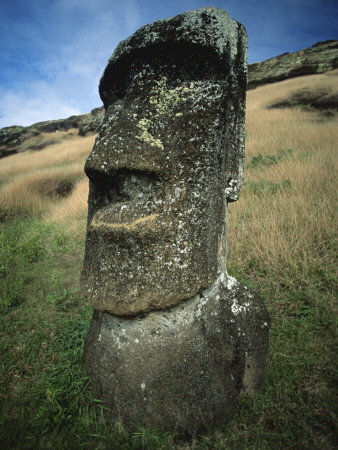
(234, 161)
(235, 135)
(232, 190)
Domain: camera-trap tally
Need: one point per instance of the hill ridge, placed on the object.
(319, 58)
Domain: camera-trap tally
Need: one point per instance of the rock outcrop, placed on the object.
(319, 58)
(91, 123)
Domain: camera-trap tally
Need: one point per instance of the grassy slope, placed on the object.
(282, 243)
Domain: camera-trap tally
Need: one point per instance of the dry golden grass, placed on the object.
(273, 93)
(41, 191)
(73, 150)
(43, 140)
(73, 210)
(32, 181)
(292, 224)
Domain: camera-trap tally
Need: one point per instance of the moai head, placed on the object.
(166, 162)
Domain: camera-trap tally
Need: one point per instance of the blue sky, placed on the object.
(53, 52)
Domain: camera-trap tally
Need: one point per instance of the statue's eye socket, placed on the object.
(124, 185)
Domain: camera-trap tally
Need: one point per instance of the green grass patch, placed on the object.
(46, 399)
(263, 187)
(269, 160)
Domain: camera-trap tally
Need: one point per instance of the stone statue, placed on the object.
(174, 340)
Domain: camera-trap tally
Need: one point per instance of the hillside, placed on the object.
(319, 58)
(17, 139)
(282, 236)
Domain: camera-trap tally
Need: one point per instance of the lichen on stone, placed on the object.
(145, 136)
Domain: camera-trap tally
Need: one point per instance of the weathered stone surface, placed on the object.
(185, 368)
(174, 340)
(319, 58)
(166, 162)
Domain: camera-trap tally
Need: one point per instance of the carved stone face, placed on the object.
(156, 232)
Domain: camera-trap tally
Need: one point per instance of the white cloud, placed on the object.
(59, 65)
(23, 108)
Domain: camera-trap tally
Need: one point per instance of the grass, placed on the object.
(36, 183)
(282, 244)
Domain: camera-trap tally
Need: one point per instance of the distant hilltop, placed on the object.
(17, 139)
(319, 58)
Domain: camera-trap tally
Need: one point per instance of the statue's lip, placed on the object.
(128, 214)
(98, 222)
